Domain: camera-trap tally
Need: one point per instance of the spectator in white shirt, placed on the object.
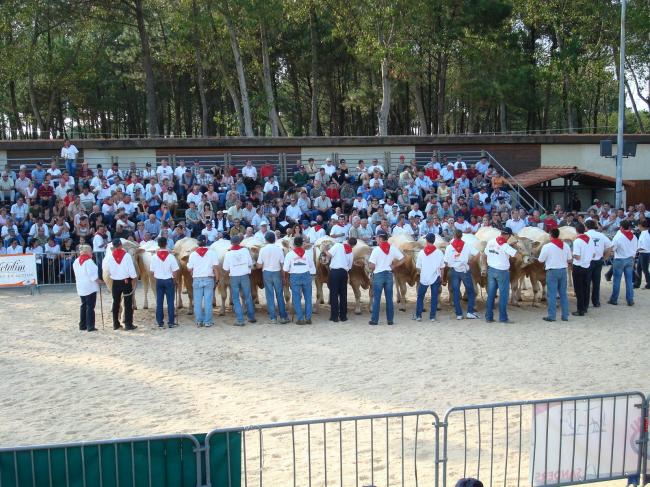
(69, 155)
(329, 167)
(211, 233)
(644, 252)
(164, 171)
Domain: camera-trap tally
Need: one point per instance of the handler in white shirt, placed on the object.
(497, 257)
(238, 263)
(340, 255)
(601, 245)
(125, 279)
(644, 252)
(383, 259)
(299, 265)
(204, 265)
(457, 255)
(164, 268)
(270, 260)
(87, 281)
(430, 262)
(556, 256)
(625, 246)
(583, 253)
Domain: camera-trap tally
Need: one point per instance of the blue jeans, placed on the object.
(422, 291)
(556, 282)
(497, 279)
(466, 279)
(273, 291)
(301, 287)
(165, 290)
(243, 284)
(382, 281)
(623, 267)
(203, 288)
(71, 166)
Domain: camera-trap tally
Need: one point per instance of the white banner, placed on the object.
(585, 440)
(17, 270)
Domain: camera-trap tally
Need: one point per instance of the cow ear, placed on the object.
(536, 244)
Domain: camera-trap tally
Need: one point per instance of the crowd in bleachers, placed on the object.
(49, 210)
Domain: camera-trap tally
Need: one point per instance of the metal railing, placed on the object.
(398, 448)
(56, 269)
(542, 443)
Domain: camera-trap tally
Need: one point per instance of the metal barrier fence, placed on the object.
(56, 269)
(551, 442)
(398, 449)
(565, 441)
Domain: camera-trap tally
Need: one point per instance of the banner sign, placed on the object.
(585, 440)
(17, 270)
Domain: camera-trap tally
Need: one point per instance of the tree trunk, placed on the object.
(313, 124)
(147, 66)
(199, 71)
(503, 120)
(18, 124)
(32, 100)
(293, 76)
(239, 64)
(419, 105)
(442, 87)
(634, 108)
(274, 119)
(384, 109)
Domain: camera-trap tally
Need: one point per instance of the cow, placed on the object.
(406, 273)
(220, 247)
(322, 261)
(257, 277)
(182, 250)
(359, 275)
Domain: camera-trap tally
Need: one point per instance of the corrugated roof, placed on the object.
(549, 173)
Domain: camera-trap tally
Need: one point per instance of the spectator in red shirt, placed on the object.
(478, 211)
(45, 194)
(266, 170)
(333, 194)
(432, 173)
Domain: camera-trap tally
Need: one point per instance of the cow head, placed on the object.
(525, 248)
(323, 256)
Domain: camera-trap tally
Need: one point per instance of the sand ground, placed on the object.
(60, 384)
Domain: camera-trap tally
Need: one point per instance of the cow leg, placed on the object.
(223, 292)
(145, 288)
(357, 299)
(319, 292)
(535, 285)
(402, 290)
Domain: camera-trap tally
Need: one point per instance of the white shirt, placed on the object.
(123, 270)
(329, 169)
(86, 276)
(70, 153)
(315, 235)
(293, 264)
(601, 243)
(583, 252)
(211, 235)
(99, 244)
(195, 198)
(163, 269)
(294, 212)
(644, 242)
(516, 225)
(623, 247)
(403, 230)
(164, 172)
(459, 261)
(238, 262)
(382, 260)
(340, 260)
(498, 256)
(555, 257)
(360, 204)
(378, 167)
(338, 232)
(271, 257)
(179, 171)
(202, 266)
(430, 266)
(271, 186)
(249, 172)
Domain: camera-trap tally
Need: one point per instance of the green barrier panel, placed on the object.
(158, 461)
(222, 447)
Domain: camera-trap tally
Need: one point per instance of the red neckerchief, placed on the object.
(347, 248)
(584, 238)
(162, 254)
(557, 242)
(385, 247)
(458, 245)
(300, 252)
(235, 247)
(118, 254)
(202, 251)
(628, 234)
(317, 228)
(501, 240)
(83, 258)
(429, 249)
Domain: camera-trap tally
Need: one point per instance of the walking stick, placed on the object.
(101, 305)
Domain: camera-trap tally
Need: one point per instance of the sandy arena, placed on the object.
(60, 384)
